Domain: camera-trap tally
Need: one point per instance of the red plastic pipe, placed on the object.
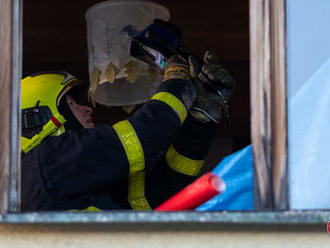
(195, 194)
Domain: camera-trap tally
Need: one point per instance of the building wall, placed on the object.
(90, 235)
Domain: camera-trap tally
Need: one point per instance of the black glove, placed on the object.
(215, 85)
(177, 81)
(177, 68)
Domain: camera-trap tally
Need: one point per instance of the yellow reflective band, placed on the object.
(91, 209)
(131, 144)
(173, 102)
(135, 156)
(88, 209)
(183, 164)
(136, 191)
(24, 142)
(48, 129)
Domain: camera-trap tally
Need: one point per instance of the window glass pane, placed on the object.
(308, 67)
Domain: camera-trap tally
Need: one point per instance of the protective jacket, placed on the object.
(136, 164)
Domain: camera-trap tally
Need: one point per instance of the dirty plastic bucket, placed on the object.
(109, 26)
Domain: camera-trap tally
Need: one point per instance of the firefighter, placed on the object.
(68, 163)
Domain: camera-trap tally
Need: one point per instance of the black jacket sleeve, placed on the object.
(183, 161)
(87, 160)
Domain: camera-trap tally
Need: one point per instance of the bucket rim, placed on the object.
(95, 7)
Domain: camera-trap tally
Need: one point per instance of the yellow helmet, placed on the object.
(41, 94)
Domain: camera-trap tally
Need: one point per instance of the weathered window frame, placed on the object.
(10, 97)
(268, 103)
(268, 117)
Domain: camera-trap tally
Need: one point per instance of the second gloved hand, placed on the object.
(214, 87)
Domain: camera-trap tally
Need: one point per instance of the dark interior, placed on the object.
(54, 38)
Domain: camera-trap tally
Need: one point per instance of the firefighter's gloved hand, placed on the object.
(214, 87)
(177, 81)
(176, 69)
(217, 76)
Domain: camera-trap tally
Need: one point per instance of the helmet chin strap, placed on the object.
(71, 121)
(65, 117)
(49, 128)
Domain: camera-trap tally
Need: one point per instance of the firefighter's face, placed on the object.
(81, 112)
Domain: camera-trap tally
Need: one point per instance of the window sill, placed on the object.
(232, 217)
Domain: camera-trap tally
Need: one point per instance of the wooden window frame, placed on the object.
(268, 103)
(10, 98)
(268, 119)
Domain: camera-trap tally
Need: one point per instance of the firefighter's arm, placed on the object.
(187, 154)
(183, 162)
(147, 135)
(92, 159)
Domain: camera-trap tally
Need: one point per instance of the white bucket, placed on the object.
(108, 50)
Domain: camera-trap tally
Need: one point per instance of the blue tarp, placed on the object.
(237, 172)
